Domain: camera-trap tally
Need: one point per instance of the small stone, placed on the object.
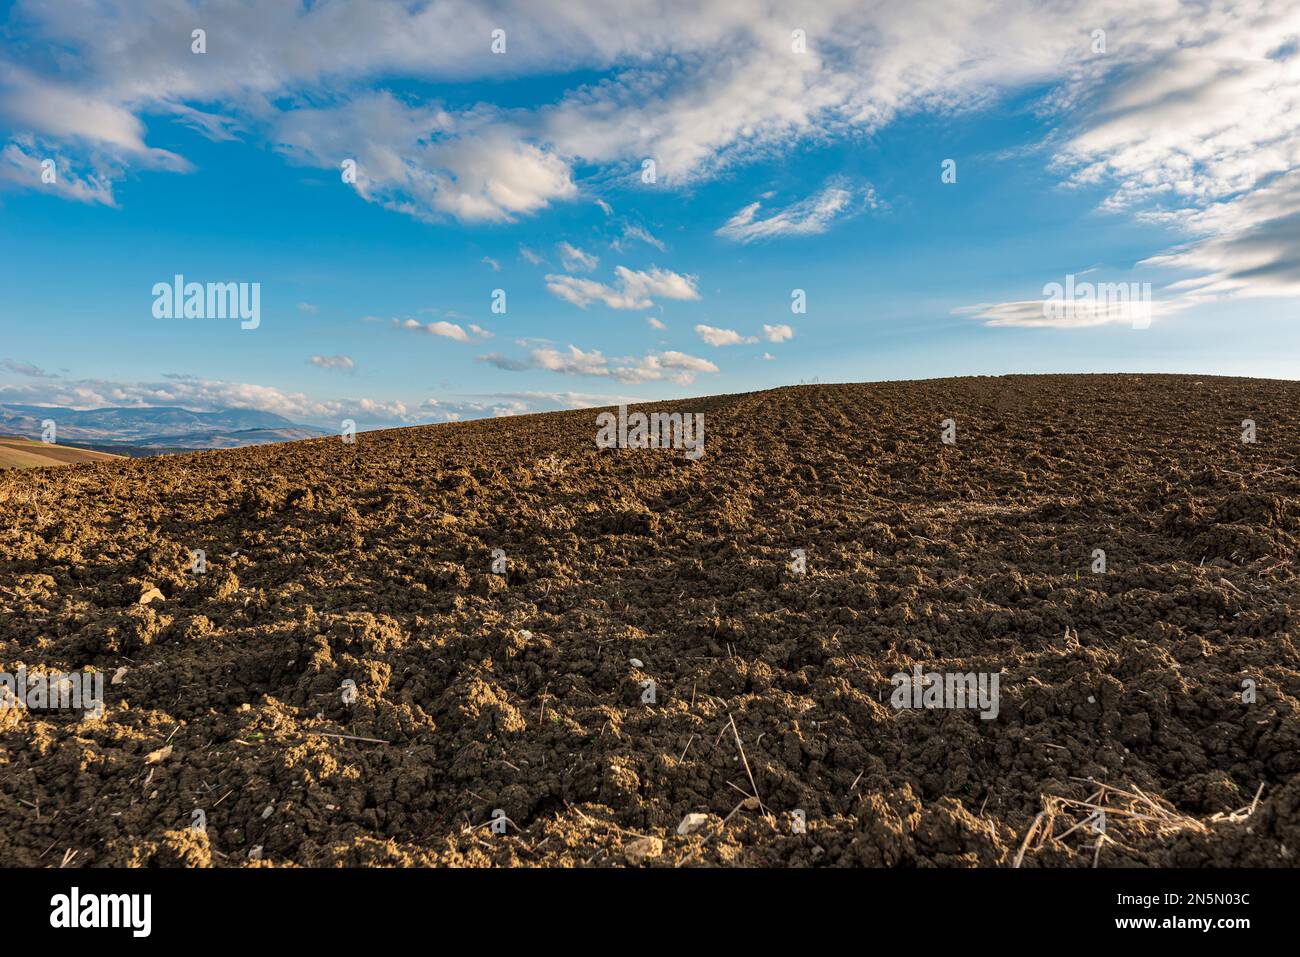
(118, 676)
(268, 811)
(162, 754)
(692, 823)
(640, 851)
(636, 662)
(150, 594)
(255, 852)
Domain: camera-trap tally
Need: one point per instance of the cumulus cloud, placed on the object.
(443, 328)
(470, 170)
(655, 323)
(778, 333)
(632, 289)
(722, 337)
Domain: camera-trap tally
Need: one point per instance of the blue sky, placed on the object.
(1168, 155)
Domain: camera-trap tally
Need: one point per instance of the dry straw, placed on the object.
(1130, 815)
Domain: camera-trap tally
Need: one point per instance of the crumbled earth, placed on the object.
(348, 682)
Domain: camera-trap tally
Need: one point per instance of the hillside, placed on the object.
(1163, 688)
(20, 453)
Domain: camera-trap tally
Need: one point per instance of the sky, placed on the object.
(646, 191)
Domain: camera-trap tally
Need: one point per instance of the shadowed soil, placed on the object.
(1164, 689)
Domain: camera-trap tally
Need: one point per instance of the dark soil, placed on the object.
(372, 563)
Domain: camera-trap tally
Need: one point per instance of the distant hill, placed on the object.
(148, 431)
(20, 453)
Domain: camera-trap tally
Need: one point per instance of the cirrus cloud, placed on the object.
(814, 214)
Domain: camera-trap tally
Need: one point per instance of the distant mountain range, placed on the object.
(150, 431)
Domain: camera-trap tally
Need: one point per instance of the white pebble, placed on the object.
(692, 823)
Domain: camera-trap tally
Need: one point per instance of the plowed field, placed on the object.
(350, 683)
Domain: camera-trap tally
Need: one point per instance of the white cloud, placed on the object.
(334, 362)
(1191, 106)
(778, 333)
(471, 169)
(633, 289)
(1249, 246)
(652, 367)
(36, 105)
(21, 165)
(698, 88)
(809, 216)
(634, 233)
(491, 263)
(569, 400)
(440, 327)
(574, 259)
(26, 369)
(655, 323)
(722, 337)
(572, 362)
(198, 394)
(1077, 314)
(308, 308)
(206, 395)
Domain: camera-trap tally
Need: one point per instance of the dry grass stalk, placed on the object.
(1118, 816)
